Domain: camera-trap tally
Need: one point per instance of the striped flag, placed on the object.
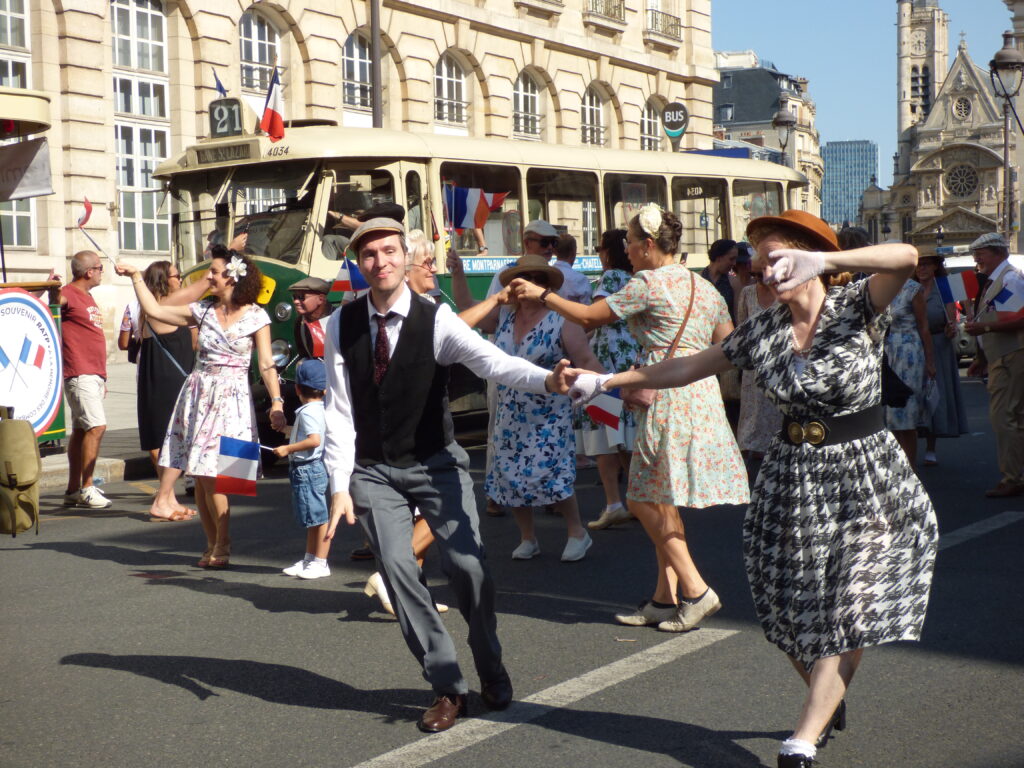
(84, 218)
(1009, 305)
(32, 353)
(469, 207)
(272, 123)
(349, 279)
(221, 90)
(962, 287)
(4, 359)
(606, 408)
(237, 466)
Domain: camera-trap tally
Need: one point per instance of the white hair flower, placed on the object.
(236, 268)
(650, 219)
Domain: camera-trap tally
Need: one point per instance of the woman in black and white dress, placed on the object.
(840, 537)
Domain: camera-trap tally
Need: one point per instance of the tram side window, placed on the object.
(700, 205)
(481, 204)
(414, 202)
(751, 199)
(354, 192)
(569, 200)
(626, 193)
(272, 203)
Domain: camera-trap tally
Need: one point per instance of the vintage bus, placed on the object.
(294, 196)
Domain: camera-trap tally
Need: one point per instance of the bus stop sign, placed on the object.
(675, 118)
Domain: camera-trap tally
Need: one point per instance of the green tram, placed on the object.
(288, 195)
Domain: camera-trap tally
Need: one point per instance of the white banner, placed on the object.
(25, 170)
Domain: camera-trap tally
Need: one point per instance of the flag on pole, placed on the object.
(1009, 304)
(349, 279)
(469, 207)
(4, 359)
(962, 287)
(221, 90)
(606, 408)
(84, 218)
(272, 123)
(32, 353)
(237, 466)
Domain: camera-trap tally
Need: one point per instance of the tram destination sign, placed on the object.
(223, 154)
(675, 119)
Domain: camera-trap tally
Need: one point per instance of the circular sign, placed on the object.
(675, 117)
(30, 359)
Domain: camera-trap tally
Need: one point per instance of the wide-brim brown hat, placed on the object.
(533, 262)
(816, 230)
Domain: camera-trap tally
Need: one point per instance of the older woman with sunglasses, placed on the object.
(533, 446)
(685, 454)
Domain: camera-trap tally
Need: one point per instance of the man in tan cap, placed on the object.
(390, 447)
(309, 299)
(1001, 354)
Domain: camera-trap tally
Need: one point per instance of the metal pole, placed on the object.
(1007, 184)
(378, 90)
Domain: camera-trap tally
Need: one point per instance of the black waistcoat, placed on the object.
(405, 419)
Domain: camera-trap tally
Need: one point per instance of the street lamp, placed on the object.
(939, 237)
(784, 122)
(1006, 70)
(886, 230)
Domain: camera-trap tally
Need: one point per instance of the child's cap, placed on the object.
(312, 374)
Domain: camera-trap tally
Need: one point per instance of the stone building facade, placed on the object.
(129, 82)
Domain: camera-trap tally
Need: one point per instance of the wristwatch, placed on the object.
(544, 296)
(277, 399)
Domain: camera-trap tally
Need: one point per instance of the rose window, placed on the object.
(962, 181)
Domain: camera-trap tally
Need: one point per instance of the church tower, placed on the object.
(922, 45)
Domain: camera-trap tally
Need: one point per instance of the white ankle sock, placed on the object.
(320, 560)
(798, 747)
(616, 505)
(309, 557)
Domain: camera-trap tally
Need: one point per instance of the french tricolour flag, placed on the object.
(1008, 305)
(962, 287)
(469, 207)
(32, 353)
(237, 466)
(349, 279)
(606, 408)
(272, 123)
(84, 218)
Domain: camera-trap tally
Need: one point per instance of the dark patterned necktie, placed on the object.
(381, 352)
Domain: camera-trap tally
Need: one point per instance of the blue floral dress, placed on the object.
(532, 444)
(905, 354)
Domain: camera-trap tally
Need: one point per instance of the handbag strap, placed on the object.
(165, 350)
(686, 317)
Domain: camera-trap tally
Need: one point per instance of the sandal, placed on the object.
(204, 561)
(219, 558)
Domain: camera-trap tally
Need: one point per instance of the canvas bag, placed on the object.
(20, 469)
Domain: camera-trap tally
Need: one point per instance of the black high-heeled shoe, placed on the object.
(838, 723)
(795, 761)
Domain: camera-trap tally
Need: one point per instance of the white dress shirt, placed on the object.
(575, 285)
(454, 342)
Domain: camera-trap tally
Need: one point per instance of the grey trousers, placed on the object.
(443, 491)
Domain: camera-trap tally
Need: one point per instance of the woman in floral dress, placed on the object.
(840, 538)
(685, 453)
(533, 447)
(215, 400)
(616, 349)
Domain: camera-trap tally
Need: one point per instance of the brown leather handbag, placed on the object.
(640, 398)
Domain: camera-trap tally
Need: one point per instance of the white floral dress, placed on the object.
(533, 447)
(616, 349)
(215, 399)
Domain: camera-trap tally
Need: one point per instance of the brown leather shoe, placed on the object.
(442, 713)
(1005, 490)
(497, 692)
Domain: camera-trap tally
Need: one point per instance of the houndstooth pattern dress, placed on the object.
(839, 541)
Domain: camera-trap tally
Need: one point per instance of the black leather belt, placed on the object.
(834, 429)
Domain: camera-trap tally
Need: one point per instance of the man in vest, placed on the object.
(1001, 352)
(390, 447)
(309, 298)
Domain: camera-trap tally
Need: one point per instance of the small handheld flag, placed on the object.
(84, 218)
(1009, 305)
(469, 207)
(237, 466)
(606, 408)
(32, 353)
(349, 279)
(272, 123)
(221, 90)
(962, 287)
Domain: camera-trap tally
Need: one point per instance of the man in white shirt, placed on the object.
(390, 447)
(575, 286)
(1001, 355)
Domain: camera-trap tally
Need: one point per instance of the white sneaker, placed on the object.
(646, 615)
(93, 498)
(295, 570)
(610, 516)
(314, 570)
(576, 549)
(527, 550)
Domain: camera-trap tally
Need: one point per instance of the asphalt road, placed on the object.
(116, 651)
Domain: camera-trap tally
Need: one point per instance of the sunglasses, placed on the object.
(545, 242)
(98, 267)
(537, 278)
(302, 295)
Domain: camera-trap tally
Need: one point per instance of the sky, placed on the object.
(847, 50)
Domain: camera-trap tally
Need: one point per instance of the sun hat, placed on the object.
(380, 224)
(532, 262)
(311, 373)
(817, 231)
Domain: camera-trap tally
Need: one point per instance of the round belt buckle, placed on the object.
(814, 433)
(795, 432)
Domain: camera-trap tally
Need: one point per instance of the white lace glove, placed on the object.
(587, 387)
(789, 267)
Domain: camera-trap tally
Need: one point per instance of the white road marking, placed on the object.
(473, 731)
(980, 528)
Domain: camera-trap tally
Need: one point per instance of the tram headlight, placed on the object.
(282, 311)
(281, 350)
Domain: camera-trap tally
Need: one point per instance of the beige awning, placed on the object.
(30, 110)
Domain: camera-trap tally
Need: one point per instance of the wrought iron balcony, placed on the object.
(610, 9)
(664, 24)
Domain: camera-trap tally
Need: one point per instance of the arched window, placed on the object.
(526, 107)
(141, 121)
(357, 83)
(592, 118)
(450, 92)
(259, 51)
(650, 127)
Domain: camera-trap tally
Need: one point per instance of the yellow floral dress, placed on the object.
(685, 452)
